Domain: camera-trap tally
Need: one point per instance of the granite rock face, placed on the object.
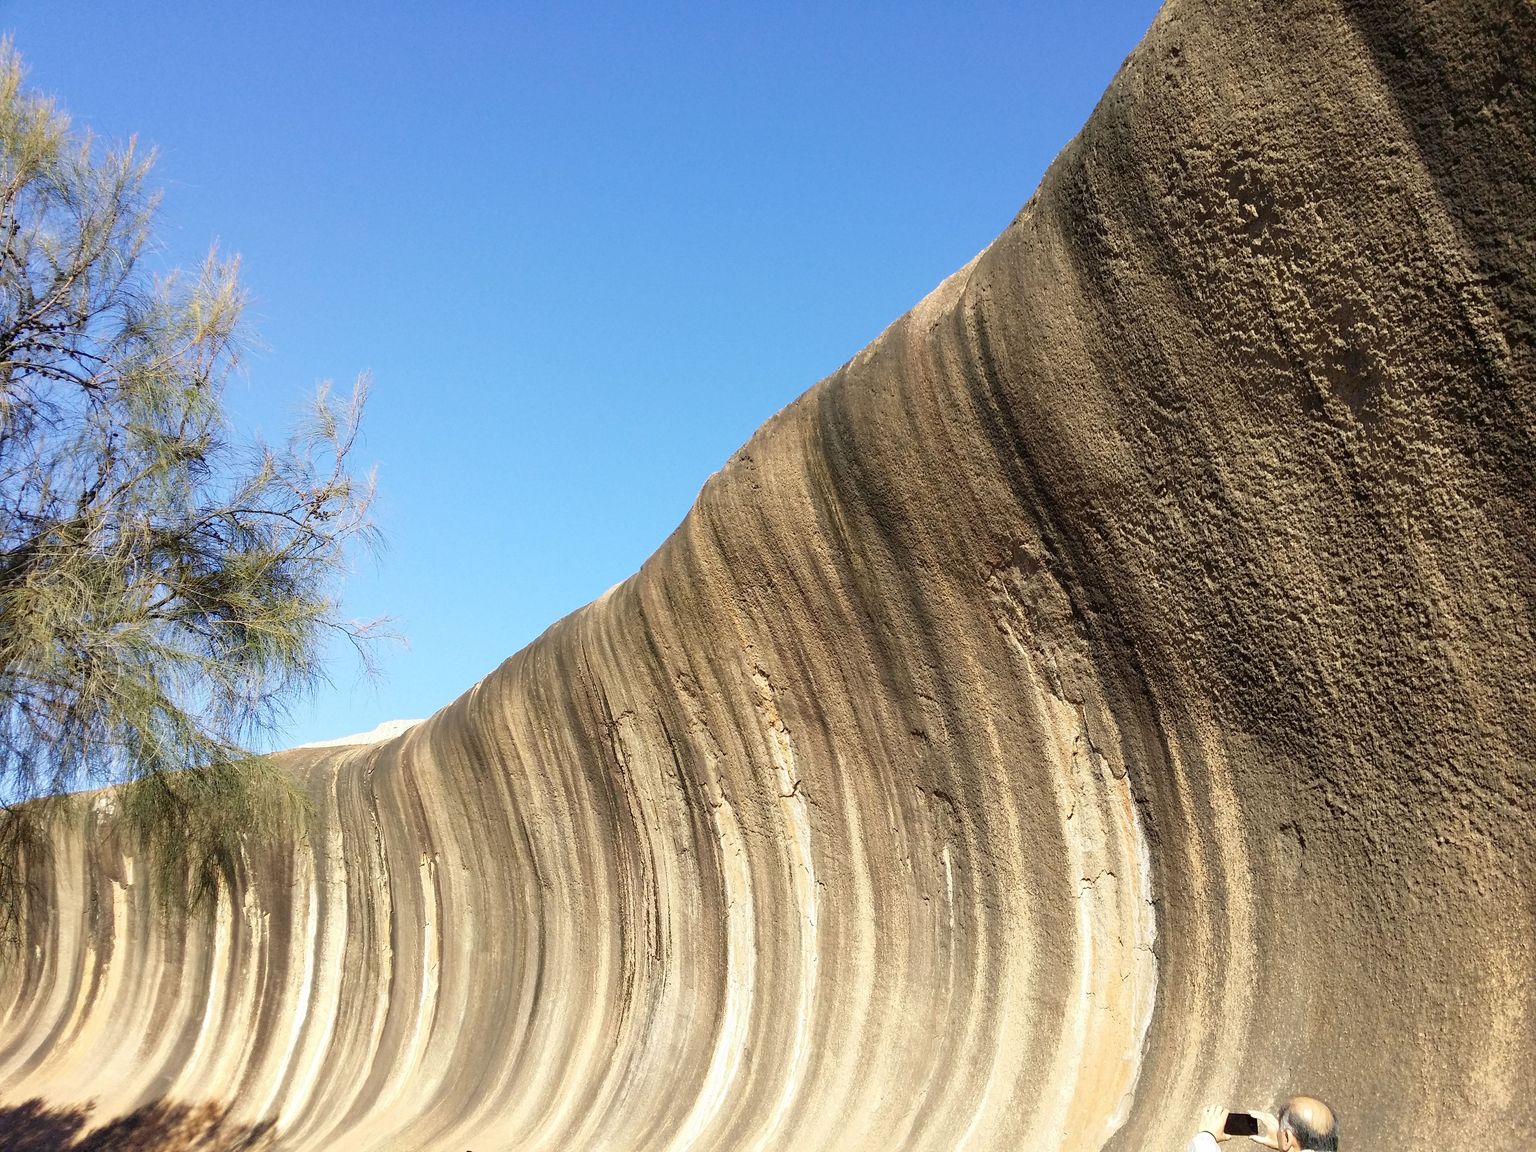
(1113, 691)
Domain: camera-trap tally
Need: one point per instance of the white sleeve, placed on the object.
(1203, 1142)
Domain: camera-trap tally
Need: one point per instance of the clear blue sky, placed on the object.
(584, 250)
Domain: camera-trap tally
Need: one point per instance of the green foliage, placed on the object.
(165, 590)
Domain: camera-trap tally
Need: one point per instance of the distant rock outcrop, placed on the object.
(1112, 691)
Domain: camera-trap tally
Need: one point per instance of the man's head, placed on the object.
(1308, 1124)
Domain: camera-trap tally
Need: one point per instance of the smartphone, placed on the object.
(1241, 1124)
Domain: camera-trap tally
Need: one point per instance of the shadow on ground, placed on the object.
(159, 1127)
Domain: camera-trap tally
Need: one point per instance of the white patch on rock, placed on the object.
(385, 731)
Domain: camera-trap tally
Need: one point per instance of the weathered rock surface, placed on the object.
(1112, 691)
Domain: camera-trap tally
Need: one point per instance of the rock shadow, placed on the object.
(160, 1127)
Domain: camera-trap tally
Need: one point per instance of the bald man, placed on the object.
(1304, 1123)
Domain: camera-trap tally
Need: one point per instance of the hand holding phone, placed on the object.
(1240, 1124)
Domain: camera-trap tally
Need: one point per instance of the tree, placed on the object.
(165, 589)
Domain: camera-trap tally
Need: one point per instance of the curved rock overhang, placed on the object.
(1113, 691)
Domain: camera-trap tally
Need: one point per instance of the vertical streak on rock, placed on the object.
(325, 975)
(304, 952)
(735, 877)
(222, 984)
(802, 881)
